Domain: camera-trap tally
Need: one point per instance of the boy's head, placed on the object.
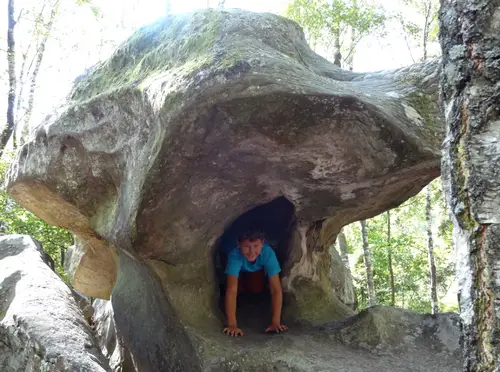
(250, 244)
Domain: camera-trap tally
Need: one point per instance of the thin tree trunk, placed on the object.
(430, 248)
(405, 35)
(63, 255)
(372, 299)
(222, 3)
(470, 43)
(425, 34)
(337, 57)
(343, 250)
(350, 58)
(38, 63)
(11, 61)
(389, 259)
(21, 85)
(345, 260)
(169, 7)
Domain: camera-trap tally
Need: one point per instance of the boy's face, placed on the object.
(251, 249)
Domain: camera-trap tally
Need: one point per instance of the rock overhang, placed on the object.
(201, 117)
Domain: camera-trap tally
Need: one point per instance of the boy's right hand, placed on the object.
(233, 331)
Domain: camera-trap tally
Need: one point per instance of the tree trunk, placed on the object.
(350, 57)
(372, 299)
(21, 84)
(222, 3)
(352, 47)
(337, 56)
(11, 61)
(63, 255)
(389, 259)
(430, 249)
(343, 250)
(169, 7)
(427, 25)
(470, 43)
(38, 63)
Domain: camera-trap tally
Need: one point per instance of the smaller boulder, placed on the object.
(42, 327)
(110, 343)
(380, 329)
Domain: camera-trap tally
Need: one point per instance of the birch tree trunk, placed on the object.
(337, 56)
(11, 61)
(430, 252)
(350, 57)
(343, 250)
(426, 30)
(372, 299)
(389, 259)
(470, 43)
(38, 63)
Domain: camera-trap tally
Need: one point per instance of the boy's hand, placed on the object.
(233, 331)
(276, 328)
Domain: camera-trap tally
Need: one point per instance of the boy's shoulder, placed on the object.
(235, 254)
(267, 251)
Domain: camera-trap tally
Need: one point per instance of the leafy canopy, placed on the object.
(324, 20)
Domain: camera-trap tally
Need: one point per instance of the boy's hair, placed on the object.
(251, 235)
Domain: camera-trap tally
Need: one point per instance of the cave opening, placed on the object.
(276, 220)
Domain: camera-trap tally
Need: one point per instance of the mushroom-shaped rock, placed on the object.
(199, 119)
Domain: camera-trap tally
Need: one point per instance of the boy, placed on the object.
(252, 257)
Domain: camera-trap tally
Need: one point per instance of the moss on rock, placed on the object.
(182, 43)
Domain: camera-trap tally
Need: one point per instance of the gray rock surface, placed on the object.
(341, 278)
(41, 326)
(195, 120)
(109, 342)
(378, 339)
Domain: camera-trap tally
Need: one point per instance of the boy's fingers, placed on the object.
(233, 332)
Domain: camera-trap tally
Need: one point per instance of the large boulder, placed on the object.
(198, 122)
(42, 328)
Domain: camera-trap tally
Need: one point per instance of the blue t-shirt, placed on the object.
(266, 260)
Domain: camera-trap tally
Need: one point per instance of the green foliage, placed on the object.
(323, 20)
(423, 28)
(408, 245)
(16, 220)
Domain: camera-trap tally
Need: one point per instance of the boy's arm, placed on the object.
(273, 269)
(231, 294)
(232, 270)
(277, 302)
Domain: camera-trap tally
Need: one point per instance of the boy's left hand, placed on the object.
(276, 328)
